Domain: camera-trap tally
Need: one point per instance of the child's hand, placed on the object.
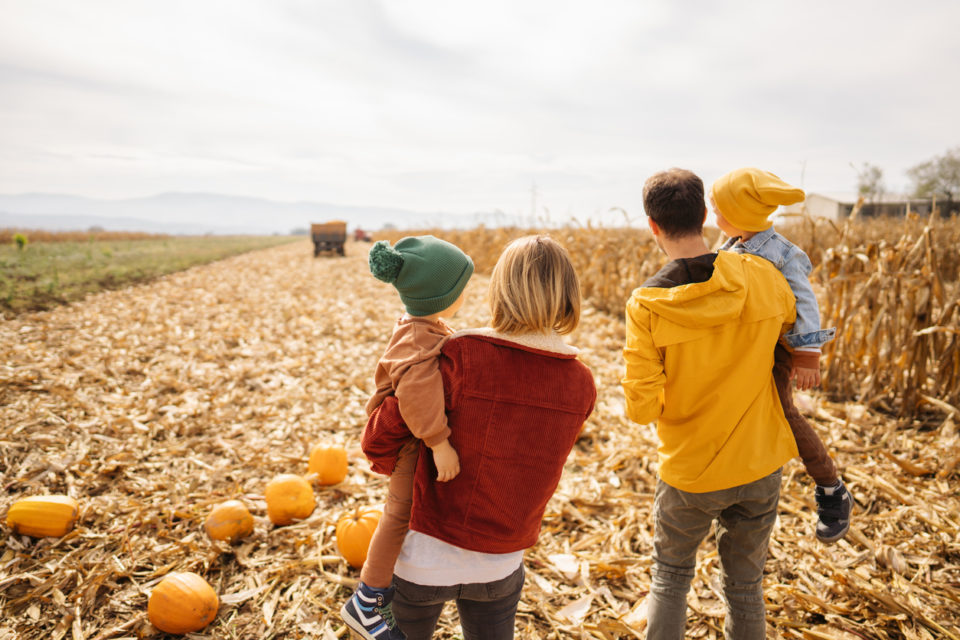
(806, 378)
(447, 461)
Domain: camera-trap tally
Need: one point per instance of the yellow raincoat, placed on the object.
(699, 361)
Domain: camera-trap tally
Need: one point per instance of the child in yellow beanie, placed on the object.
(743, 201)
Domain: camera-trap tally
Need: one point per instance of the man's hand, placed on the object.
(447, 461)
(805, 378)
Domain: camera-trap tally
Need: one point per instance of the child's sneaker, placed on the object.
(368, 613)
(833, 511)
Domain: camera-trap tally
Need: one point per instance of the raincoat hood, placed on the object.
(683, 312)
(699, 348)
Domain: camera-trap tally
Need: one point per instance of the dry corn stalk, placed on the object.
(153, 403)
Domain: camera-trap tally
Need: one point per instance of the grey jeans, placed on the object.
(487, 610)
(744, 518)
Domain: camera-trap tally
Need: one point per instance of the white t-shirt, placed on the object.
(429, 561)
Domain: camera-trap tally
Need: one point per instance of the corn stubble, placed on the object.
(151, 404)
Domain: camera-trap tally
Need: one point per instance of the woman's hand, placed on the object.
(447, 461)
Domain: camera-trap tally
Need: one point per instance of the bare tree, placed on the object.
(939, 176)
(870, 182)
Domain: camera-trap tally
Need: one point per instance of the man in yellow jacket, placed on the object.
(699, 360)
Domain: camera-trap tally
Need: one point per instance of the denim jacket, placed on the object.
(795, 266)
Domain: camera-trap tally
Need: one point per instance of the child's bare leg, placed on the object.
(385, 545)
(814, 455)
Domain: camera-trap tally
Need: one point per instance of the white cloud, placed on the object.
(460, 107)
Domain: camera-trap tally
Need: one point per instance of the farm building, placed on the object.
(837, 206)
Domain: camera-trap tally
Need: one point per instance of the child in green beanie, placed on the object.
(743, 201)
(430, 275)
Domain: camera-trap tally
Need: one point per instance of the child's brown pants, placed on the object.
(388, 538)
(814, 455)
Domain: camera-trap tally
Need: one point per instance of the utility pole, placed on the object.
(533, 199)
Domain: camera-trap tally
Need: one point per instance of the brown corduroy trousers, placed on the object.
(814, 455)
(385, 545)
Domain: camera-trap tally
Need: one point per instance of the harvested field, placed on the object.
(8, 235)
(150, 404)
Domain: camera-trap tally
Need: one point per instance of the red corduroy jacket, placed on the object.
(515, 406)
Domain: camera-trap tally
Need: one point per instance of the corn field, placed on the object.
(889, 286)
(151, 404)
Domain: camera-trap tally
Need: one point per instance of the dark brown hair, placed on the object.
(674, 200)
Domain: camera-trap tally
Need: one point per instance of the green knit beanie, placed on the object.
(429, 273)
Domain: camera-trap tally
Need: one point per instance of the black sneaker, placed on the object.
(368, 613)
(833, 511)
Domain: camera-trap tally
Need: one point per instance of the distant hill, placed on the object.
(199, 213)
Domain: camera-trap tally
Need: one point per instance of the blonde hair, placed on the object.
(534, 288)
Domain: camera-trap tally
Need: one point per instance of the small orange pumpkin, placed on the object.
(328, 463)
(181, 603)
(289, 497)
(41, 516)
(230, 521)
(354, 532)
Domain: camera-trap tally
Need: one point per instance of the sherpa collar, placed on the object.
(550, 342)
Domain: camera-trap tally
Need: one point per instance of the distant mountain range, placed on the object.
(200, 213)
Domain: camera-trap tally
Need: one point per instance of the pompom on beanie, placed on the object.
(429, 273)
(747, 197)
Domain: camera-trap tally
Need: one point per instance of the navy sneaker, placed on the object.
(368, 613)
(833, 512)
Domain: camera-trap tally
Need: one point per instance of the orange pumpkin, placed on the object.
(41, 516)
(289, 497)
(181, 603)
(229, 521)
(354, 532)
(328, 463)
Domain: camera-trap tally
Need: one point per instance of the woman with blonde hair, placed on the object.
(516, 399)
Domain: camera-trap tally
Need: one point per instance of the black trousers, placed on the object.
(487, 610)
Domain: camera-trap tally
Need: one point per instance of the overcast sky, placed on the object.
(462, 107)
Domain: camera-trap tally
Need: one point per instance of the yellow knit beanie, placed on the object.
(746, 197)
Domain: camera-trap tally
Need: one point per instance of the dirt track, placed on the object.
(150, 404)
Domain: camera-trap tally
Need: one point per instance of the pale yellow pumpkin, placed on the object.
(289, 497)
(354, 532)
(329, 464)
(182, 603)
(41, 516)
(229, 521)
